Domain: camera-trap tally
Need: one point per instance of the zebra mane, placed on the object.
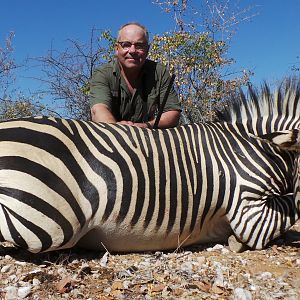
(282, 104)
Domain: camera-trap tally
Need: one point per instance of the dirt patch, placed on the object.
(206, 272)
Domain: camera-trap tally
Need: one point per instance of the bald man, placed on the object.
(129, 90)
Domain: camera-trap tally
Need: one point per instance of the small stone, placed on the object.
(241, 294)
(104, 260)
(21, 263)
(201, 260)
(187, 267)
(219, 278)
(235, 245)
(5, 268)
(13, 278)
(61, 271)
(23, 292)
(225, 251)
(217, 247)
(265, 275)
(107, 290)
(35, 282)
(11, 293)
(126, 284)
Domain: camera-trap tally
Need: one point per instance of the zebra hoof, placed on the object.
(235, 245)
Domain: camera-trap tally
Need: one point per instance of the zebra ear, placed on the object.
(288, 139)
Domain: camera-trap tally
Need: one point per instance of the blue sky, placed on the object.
(268, 45)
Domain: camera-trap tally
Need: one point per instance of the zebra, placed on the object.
(70, 182)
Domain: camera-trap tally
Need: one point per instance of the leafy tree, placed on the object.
(13, 103)
(196, 60)
(67, 73)
(195, 51)
(199, 57)
(22, 108)
(7, 66)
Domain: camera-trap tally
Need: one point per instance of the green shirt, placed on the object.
(107, 86)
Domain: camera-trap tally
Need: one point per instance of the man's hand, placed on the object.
(101, 113)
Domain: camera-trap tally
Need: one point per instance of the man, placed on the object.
(130, 89)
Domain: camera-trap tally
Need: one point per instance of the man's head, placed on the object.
(132, 46)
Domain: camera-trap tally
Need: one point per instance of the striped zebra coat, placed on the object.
(64, 182)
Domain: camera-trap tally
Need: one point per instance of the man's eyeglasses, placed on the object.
(138, 46)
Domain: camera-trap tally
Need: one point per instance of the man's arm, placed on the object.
(101, 113)
(168, 119)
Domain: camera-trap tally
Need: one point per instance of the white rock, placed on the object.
(187, 267)
(241, 294)
(219, 278)
(13, 278)
(225, 251)
(201, 260)
(11, 293)
(217, 247)
(104, 260)
(5, 268)
(61, 271)
(265, 275)
(126, 284)
(20, 263)
(107, 290)
(35, 271)
(35, 282)
(23, 292)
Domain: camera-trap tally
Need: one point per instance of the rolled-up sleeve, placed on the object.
(100, 91)
(172, 100)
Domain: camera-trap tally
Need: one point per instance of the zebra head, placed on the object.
(288, 140)
(272, 122)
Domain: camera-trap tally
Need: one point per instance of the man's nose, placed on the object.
(132, 48)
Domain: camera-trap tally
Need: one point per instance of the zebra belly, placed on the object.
(119, 238)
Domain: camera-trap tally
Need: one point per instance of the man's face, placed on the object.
(132, 48)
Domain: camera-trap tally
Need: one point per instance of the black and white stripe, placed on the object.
(134, 189)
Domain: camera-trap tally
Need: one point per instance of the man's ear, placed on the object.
(288, 139)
